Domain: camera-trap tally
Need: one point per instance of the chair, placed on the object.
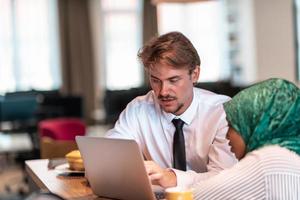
(57, 136)
(20, 112)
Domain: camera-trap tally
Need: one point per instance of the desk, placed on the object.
(66, 187)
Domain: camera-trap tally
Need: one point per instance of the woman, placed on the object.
(265, 125)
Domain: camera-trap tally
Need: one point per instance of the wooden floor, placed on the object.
(12, 179)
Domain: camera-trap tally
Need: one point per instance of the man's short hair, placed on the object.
(173, 49)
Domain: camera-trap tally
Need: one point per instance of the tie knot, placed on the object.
(178, 123)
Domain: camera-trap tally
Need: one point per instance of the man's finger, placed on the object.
(155, 176)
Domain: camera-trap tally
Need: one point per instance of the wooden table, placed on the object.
(50, 180)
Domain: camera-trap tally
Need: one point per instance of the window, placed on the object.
(29, 56)
(122, 39)
(204, 23)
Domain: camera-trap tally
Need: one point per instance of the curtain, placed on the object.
(78, 70)
(150, 26)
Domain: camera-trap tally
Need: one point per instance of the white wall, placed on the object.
(275, 44)
(267, 40)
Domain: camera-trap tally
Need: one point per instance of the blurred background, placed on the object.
(77, 59)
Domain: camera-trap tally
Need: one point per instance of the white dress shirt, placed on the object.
(205, 128)
(271, 172)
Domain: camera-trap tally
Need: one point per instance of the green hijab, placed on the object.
(267, 113)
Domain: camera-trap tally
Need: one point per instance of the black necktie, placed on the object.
(179, 161)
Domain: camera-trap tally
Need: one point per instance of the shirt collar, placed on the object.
(188, 115)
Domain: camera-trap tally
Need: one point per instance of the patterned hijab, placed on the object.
(267, 113)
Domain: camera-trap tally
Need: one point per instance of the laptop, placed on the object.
(115, 169)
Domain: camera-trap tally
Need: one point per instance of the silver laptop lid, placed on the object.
(115, 168)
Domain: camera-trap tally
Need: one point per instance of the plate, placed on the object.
(65, 168)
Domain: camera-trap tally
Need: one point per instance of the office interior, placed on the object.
(76, 61)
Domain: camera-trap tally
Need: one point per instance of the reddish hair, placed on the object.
(173, 49)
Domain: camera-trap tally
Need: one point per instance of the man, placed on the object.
(173, 66)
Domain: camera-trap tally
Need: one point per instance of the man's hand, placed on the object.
(159, 176)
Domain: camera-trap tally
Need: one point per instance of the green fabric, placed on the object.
(267, 113)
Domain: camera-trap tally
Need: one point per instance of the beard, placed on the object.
(179, 106)
(170, 109)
